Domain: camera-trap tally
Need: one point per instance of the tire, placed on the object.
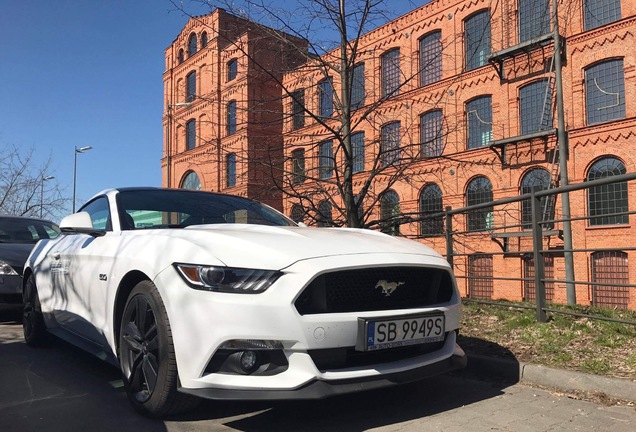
(35, 334)
(146, 355)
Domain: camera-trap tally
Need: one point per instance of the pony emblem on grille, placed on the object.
(388, 287)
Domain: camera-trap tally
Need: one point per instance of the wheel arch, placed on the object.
(127, 284)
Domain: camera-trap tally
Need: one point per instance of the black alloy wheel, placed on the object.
(146, 355)
(32, 320)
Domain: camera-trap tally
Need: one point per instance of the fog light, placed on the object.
(249, 361)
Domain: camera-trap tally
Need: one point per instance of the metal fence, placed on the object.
(603, 241)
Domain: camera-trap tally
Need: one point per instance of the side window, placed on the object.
(100, 214)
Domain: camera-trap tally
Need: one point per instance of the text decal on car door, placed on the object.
(103, 277)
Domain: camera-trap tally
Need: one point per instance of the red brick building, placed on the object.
(466, 91)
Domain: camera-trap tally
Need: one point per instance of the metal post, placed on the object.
(45, 178)
(77, 150)
(449, 237)
(562, 139)
(538, 255)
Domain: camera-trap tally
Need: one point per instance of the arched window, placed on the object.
(297, 213)
(390, 213)
(324, 216)
(191, 181)
(191, 86)
(537, 177)
(598, 13)
(192, 44)
(357, 150)
(431, 203)
(204, 39)
(232, 69)
(431, 58)
(191, 134)
(181, 56)
(325, 159)
(605, 203)
(479, 191)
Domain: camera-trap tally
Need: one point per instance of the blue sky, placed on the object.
(89, 73)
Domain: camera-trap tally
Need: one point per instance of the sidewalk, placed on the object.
(557, 379)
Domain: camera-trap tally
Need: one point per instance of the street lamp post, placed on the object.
(45, 178)
(169, 141)
(77, 150)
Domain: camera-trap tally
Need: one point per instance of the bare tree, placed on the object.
(27, 187)
(333, 31)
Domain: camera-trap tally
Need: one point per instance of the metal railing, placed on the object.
(538, 237)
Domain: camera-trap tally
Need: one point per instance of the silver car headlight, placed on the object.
(227, 279)
(6, 269)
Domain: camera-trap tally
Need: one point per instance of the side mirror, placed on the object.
(301, 224)
(79, 223)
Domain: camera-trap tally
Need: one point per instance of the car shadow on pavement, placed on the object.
(62, 388)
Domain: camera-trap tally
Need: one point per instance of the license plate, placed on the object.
(383, 333)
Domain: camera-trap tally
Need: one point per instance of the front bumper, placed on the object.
(320, 388)
(202, 321)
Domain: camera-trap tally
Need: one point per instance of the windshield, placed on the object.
(25, 230)
(161, 208)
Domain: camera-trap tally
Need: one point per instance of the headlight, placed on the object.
(227, 279)
(6, 269)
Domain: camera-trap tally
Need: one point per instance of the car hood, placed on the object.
(279, 247)
(15, 254)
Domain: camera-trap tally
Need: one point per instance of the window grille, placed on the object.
(325, 91)
(297, 213)
(191, 86)
(605, 92)
(601, 12)
(390, 144)
(390, 73)
(390, 213)
(479, 191)
(326, 162)
(357, 87)
(298, 166)
(431, 58)
(231, 117)
(357, 150)
(232, 69)
(607, 202)
(610, 267)
(191, 181)
(431, 134)
(534, 19)
(192, 44)
(431, 203)
(529, 288)
(531, 101)
(191, 134)
(325, 218)
(480, 276)
(479, 122)
(477, 39)
(541, 178)
(230, 164)
(298, 109)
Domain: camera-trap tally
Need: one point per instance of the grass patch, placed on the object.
(565, 341)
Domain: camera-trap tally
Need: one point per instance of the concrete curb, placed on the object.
(559, 379)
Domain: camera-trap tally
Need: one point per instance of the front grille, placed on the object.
(363, 290)
(341, 358)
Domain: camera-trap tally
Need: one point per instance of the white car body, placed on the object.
(81, 279)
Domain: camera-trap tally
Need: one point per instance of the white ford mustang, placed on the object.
(201, 294)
